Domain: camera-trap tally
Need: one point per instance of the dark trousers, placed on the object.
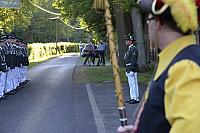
(101, 57)
(89, 57)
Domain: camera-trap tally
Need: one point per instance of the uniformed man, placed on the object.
(14, 61)
(2, 72)
(12, 65)
(19, 63)
(9, 57)
(172, 101)
(25, 61)
(8, 85)
(130, 58)
(3, 69)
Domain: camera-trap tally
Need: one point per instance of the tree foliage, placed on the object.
(34, 25)
(82, 10)
(10, 18)
(127, 5)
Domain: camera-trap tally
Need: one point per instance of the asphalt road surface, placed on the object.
(51, 103)
(48, 103)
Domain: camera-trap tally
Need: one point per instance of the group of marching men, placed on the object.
(13, 65)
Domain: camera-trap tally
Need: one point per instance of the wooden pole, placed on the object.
(115, 66)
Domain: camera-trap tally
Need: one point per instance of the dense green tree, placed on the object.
(33, 25)
(82, 10)
(10, 18)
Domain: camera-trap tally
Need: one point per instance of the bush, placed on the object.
(40, 50)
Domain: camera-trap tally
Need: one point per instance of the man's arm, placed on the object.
(182, 97)
(134, 58)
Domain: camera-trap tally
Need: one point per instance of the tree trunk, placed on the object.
(115, 66)
(128, 23)
(138, 32)
(146, 41)
(120, 34)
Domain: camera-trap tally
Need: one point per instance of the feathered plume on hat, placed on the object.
(184, 12)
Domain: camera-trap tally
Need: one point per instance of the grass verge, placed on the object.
(105, 74)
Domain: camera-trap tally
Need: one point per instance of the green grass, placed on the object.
(32, 64)
(144, 78)
(104, 74)
(98, 74)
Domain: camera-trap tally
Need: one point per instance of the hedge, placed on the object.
(44, 50)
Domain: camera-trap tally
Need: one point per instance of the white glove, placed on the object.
(126, 129)
(131, 73)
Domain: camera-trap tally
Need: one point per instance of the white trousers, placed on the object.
(133, 85)
(20, 74)
(9, 81)
(24, 73)
(14, 78)
(2, 82)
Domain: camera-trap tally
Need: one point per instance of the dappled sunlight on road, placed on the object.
(69, 55)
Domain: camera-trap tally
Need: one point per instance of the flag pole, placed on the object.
(104, 4)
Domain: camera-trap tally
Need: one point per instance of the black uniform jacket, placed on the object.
(130, 59)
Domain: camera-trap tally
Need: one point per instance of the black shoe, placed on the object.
(19, 88)
(133, 101)
(127, 101)
(26, 81)
(11, 92)
(3, 98)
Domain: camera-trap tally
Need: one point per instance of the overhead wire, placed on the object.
(73, 26)
(50, 12)
(58, 14)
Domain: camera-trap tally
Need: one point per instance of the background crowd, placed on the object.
(92, 51)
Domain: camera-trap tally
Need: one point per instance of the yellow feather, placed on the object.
(184, 13)
(98, 4)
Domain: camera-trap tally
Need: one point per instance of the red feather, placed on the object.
(159, 4)
(198, 3)
(198, 6)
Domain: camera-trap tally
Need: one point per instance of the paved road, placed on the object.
(50, 103)
(47, 104)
